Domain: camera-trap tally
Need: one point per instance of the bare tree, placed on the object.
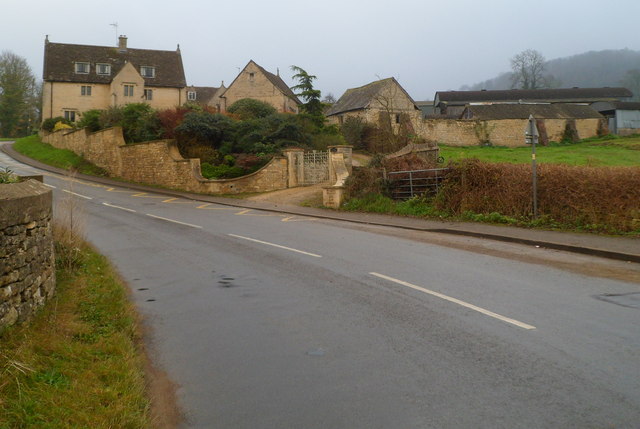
(528, 69)
(631, 81)
(17, 95)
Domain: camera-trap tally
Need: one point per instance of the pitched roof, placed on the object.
(59, 59)
(557, 95)
(361, 97)
(522, 111)
(279, 83)
(204, 94)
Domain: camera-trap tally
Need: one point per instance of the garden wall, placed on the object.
(160, 163)
(27, 269)
(504, 132)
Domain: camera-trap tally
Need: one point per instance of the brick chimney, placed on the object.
(122, 42)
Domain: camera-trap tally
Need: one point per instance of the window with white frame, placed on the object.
(148, 94)
(147, 71)
(70, 115)
(85, 90)
(128, 90)
(103, 69)
(82, 68)
(191, 95)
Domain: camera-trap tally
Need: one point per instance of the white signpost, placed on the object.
(531, 137)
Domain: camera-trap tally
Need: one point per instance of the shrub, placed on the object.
(62, 126)
(49, 124)
(221, 171)
(322, 141)
(203, 152)
(353, 131)
(249, 108)
(91, 120)
(140, 123)
(204, 128)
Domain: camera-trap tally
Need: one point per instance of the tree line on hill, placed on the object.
(592, 69)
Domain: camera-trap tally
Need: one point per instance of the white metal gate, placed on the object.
(315, 167)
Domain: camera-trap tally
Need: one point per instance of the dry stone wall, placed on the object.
(27, 271)
(504, 132)
(160, 163)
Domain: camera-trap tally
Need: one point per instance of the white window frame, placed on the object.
(107, 68)
(148, 94)
(192, 95)
(144, 69)
(85, 90)
(128, 89)
(82, 64)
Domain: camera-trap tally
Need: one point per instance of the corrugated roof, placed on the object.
(59, 59)
(522, 111)
(361, 97)
(557, 94)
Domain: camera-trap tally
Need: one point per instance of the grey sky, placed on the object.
(427, 45)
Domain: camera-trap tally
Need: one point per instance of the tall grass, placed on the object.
(79, 362)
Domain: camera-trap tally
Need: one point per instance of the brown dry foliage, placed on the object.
(365, 180)
(408, 162)
(600, 197)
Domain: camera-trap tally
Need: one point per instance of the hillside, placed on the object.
(590, 69)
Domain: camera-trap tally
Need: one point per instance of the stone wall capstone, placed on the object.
(27, 268)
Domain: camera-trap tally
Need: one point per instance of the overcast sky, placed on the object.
(427, 45)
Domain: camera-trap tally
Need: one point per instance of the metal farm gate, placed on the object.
(315, 167)
(407, 184)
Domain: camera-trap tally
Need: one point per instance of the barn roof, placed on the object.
(522, 111)
(551, 95)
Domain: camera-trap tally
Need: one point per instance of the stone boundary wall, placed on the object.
(504, 132)
(160, 163)
(27, 267)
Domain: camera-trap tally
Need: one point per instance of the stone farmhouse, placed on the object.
(374, 103)
(78, 78)
(257, 83)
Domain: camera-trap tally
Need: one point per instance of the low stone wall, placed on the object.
(504, 132)
(27, 272)
(160, 163)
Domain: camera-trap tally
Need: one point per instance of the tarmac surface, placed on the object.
(617, 248)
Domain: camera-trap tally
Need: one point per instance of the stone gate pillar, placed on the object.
(295, 167)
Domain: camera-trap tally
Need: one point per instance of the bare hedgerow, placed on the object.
(595, 198)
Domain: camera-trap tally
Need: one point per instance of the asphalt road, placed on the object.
(272, 321)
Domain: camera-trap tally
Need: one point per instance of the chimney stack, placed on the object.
(122, 42)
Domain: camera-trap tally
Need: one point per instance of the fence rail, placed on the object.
(407, 184)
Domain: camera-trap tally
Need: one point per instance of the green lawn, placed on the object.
(33, 148)
(607, 151)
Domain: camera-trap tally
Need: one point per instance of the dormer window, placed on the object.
(103, 69)
(146, 71)
(82, 68)
(191, 95)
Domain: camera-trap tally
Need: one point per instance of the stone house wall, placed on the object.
(504, 132)
(160, 163)
(60, 96)
(27, 268)
(252, 83)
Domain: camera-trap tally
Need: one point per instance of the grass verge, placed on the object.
(78, 363)
(33, 148)
(596, 152)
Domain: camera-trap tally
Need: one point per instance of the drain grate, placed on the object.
(629, 300)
